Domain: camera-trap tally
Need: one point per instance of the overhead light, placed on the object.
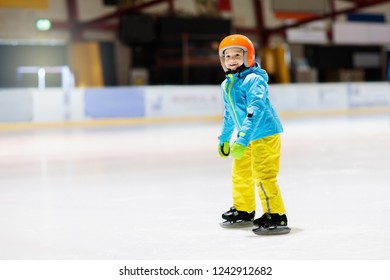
(43, 24)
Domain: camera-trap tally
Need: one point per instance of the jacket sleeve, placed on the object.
(256, 94)
(227, 125)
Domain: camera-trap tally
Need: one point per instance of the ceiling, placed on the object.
(104, 22)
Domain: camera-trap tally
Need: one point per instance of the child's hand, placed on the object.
(224, 149)
(238, 150)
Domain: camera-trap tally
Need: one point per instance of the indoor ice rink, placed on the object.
(157, 191)
(110, 112)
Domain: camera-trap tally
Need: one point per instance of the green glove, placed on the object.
(238, 150)
(224, 149)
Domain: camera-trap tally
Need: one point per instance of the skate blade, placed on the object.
(242, 224)
(272, 231)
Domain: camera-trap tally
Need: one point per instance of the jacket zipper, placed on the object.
(231, 80)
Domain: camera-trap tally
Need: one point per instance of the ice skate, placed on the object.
(271, 224)
(237, 219)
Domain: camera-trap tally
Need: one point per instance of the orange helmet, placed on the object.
(238, 41)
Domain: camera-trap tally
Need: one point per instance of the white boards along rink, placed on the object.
(121, 104)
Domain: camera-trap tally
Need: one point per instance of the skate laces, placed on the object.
(235, 215)
(232, 211)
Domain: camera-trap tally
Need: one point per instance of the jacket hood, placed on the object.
(254, 69)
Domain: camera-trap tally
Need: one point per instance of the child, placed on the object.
(256, 150)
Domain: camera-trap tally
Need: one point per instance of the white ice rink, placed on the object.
(156, 192)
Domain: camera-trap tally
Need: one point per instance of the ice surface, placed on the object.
(157, 192)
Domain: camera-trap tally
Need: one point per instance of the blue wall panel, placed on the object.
(115, 102)
(361, 17)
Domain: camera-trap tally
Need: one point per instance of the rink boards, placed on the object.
(117, 105)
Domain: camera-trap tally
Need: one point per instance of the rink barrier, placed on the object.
(53, 107)
(109, 122)
(166, 120)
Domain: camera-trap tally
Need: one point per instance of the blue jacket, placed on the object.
(247, 107)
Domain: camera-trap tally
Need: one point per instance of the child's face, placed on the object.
(234, 58)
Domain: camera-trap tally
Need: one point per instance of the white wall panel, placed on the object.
(361, 33)
(49, 105)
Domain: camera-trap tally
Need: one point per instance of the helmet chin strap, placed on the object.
(238, 70)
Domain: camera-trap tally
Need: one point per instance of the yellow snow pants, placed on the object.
(258, 167)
